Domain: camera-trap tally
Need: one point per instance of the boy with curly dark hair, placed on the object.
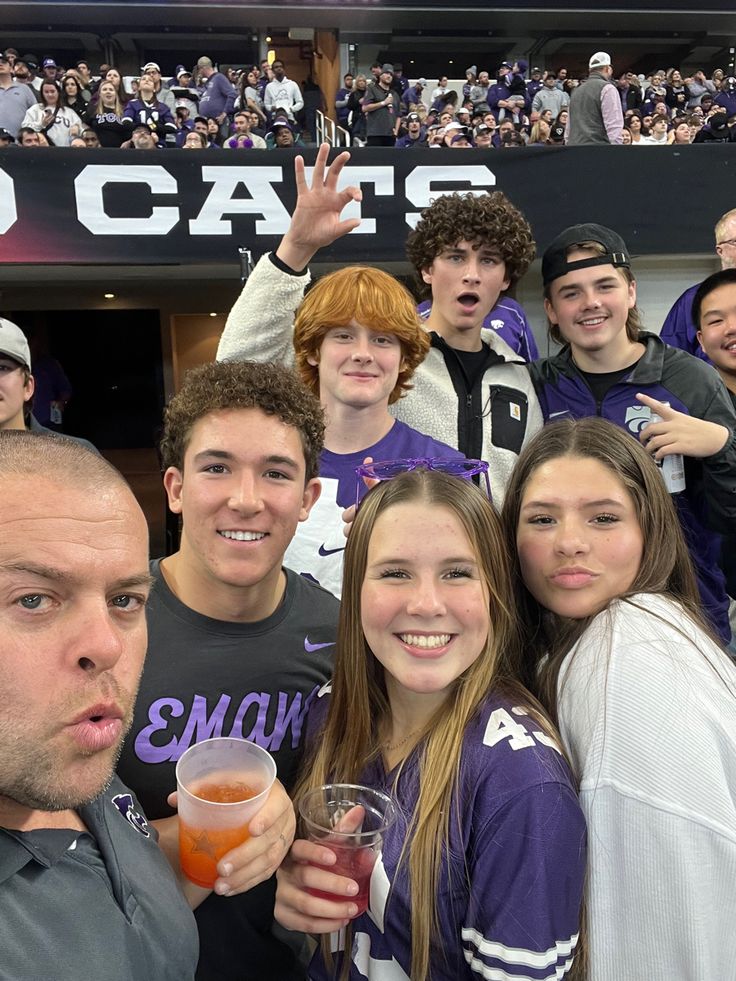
(238, 645)
(471, 391)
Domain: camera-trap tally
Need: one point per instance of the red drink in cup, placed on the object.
(222, 784)
(351, 821)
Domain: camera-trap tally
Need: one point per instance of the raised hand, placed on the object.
(316, 220)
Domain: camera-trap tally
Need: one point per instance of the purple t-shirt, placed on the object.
(509, 897)
(317, 548)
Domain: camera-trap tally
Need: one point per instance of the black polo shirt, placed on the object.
(103, 904)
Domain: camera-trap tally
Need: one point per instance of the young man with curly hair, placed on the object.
(238, 645)
(471, 391)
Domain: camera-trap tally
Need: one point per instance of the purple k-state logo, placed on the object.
(124, 803)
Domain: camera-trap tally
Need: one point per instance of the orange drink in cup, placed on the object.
(221, 783)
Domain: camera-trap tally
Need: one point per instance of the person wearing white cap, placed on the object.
(596, 116)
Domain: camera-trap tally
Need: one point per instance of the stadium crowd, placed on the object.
(43, 103)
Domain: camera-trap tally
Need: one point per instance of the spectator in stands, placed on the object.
(249, 96)
(483, 137)
(679, 329)
(58, 123)
(71, 95)
(460, 141)
(242, 137)
(91, 139)
(540, 134)
(49, 70)
(142, 138)
(214, 134)
(31, 62)
(11, 56)
(379, 109)
(557, 134)
(441, 89)
(6, 138)
(512, 139)
(217, 96)
(16, 99)
(727, 96)
(681, 131)
(412, 96)
(503, 131)
(471, 75)
(549, 97)
(342, 98)
(152, 113)
(626, 136)
(283, 136)
(697, 85)
(29, 137)
(356, 116)
(695, 122)
(416, 135)
(658, 133)
(163, 93)
(677, 94)
(194, 141)
(462, 115)
(106, 116)
(561, 78)
(21, 72)
(185, 95)
(535, 83)
(266, 76)
(84, 77)
(482, 93)
(399, 83)
(629, 91)
(282, 93)
(596, 117)
(716, 130)
(114, 76)
(634, 123)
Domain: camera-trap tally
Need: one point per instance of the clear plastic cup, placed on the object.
(222, 783)
(351, 821)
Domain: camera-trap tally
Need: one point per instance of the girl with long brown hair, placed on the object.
(482, 873)
(620, 655)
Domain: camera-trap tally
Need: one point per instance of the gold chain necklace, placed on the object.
(391, 746)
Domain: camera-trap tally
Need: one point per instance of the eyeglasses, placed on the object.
(728, 241)
(387, 469)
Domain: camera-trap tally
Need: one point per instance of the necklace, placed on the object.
(391, 746)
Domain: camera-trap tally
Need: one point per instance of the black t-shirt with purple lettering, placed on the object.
(257, 681)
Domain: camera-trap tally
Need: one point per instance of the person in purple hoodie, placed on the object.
(218, 95)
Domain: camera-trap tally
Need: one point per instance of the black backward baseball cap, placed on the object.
(555, 263)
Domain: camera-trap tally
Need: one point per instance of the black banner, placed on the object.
(134, 207)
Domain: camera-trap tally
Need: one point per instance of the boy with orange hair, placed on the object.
(356, 342)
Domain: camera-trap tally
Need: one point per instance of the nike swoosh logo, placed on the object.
(310, 648)
(330, 551)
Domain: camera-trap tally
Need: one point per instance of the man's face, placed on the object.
(445, 118)
(550, 82)
(414, 128)
(29, 139)
(466, 283)
(386, 78)
(504, 128)
(483, 78)
(50, 72)
(284, 137)
(278, 70)
(5, 67)
(490, 120)
(21, 72)
(241, 495)
(73, 584)
(348, 82)
(717, 333)
(242, 124)
(591, 305)
(659, 127)
(726, 247)
(562, 74)
(484, 140)
(90, 138)
(14, 392)
(193, 141)
(83, 69)
(143, 139)
(201, 127)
